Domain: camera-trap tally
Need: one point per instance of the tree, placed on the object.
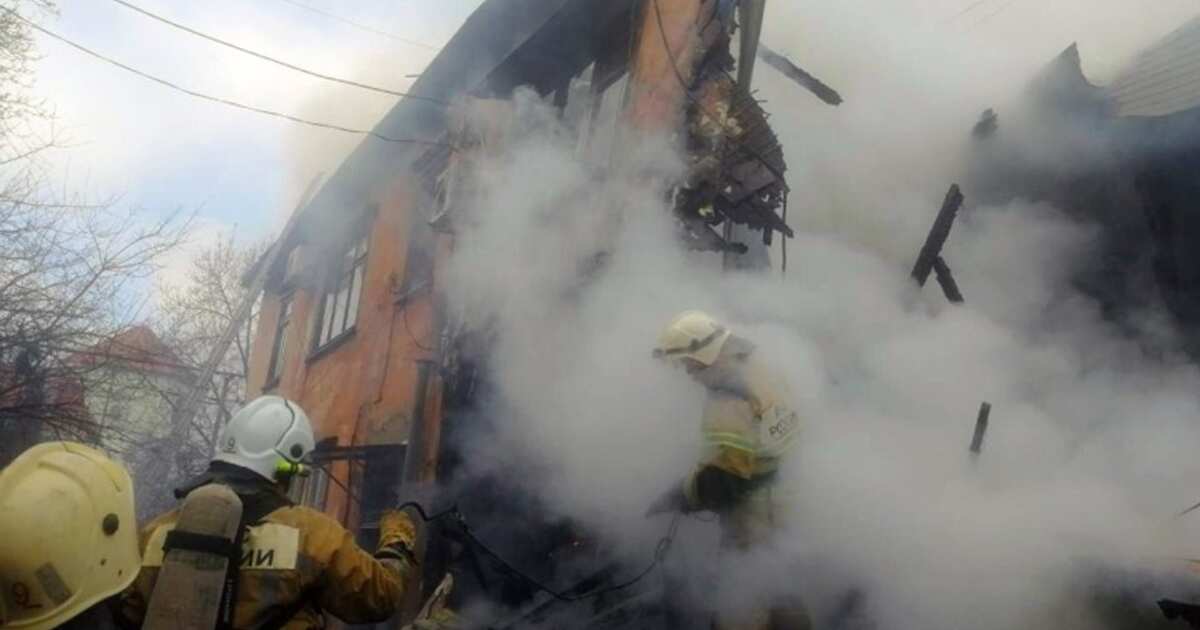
(191, 316)
(71, 272)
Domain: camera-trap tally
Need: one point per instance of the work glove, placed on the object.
(674, 500)
(434, 613)
(397, 536)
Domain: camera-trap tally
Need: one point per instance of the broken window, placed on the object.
(374, 472)
(380, 468)
(339, 305)
(279, 348)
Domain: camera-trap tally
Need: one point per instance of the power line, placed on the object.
(216, 99)
(989, 17)
(362, 27)
(969, 9)
(270, 59)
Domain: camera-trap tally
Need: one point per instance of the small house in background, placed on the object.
(131, 385)
(36, 406)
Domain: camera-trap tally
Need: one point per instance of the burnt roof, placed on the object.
(503, 44)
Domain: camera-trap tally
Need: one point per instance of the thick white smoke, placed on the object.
(1091, 448)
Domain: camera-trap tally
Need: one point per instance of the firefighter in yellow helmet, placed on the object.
(68, 538)
(296, 563)
(749, 426)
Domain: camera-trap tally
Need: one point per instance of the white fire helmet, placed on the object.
(68, 534)
(692, 335)
(266, 436)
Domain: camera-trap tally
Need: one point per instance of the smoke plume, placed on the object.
(1091, 447)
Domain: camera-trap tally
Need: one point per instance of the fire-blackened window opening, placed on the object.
(279, 348)
(339, 304)
(378, 468)
(373, 477)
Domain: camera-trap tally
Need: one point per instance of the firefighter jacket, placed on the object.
(748, 424)
(296, 564)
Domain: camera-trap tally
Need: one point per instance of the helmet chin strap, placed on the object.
(286, 469)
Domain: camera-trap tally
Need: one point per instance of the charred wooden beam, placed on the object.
(752, 12)
(1174, 610)
(981, 426)
(946, 279)
(799, 75)
(931, 252)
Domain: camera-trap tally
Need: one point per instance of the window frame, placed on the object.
(365, 463)
(283, 323)
(350, 274)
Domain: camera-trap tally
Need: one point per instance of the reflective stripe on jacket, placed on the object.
(748, 423)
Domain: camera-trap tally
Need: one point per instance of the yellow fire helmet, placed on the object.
(692, 335)
(68, 534)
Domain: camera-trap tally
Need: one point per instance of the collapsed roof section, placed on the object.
(502, 45)
(737, 163)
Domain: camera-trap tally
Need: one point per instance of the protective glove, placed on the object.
(397, 536)
(674, 500)
(435, 614)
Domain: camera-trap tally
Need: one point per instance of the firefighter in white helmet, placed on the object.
(296, 563)
(68, 538)
(749, 426)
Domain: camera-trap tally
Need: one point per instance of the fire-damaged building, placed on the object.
(353, 323)
(1122, 157)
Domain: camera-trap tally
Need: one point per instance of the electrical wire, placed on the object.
(783, 243)
(969, 9)
(989, 17)
(258, 55)
(660, 549)
(216, 99)
(660, 553)
(362, 27)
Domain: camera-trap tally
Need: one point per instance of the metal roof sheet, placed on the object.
(1164, 79)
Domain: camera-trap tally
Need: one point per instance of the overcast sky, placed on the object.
(163, 150)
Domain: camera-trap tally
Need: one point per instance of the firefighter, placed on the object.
(295, 563)
(68, 538)
(748, 426)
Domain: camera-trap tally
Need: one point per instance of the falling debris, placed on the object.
(989, 123)
(797, 74)
(931, 259)
(981, 426)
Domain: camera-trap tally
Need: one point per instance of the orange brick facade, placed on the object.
(362, 391)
